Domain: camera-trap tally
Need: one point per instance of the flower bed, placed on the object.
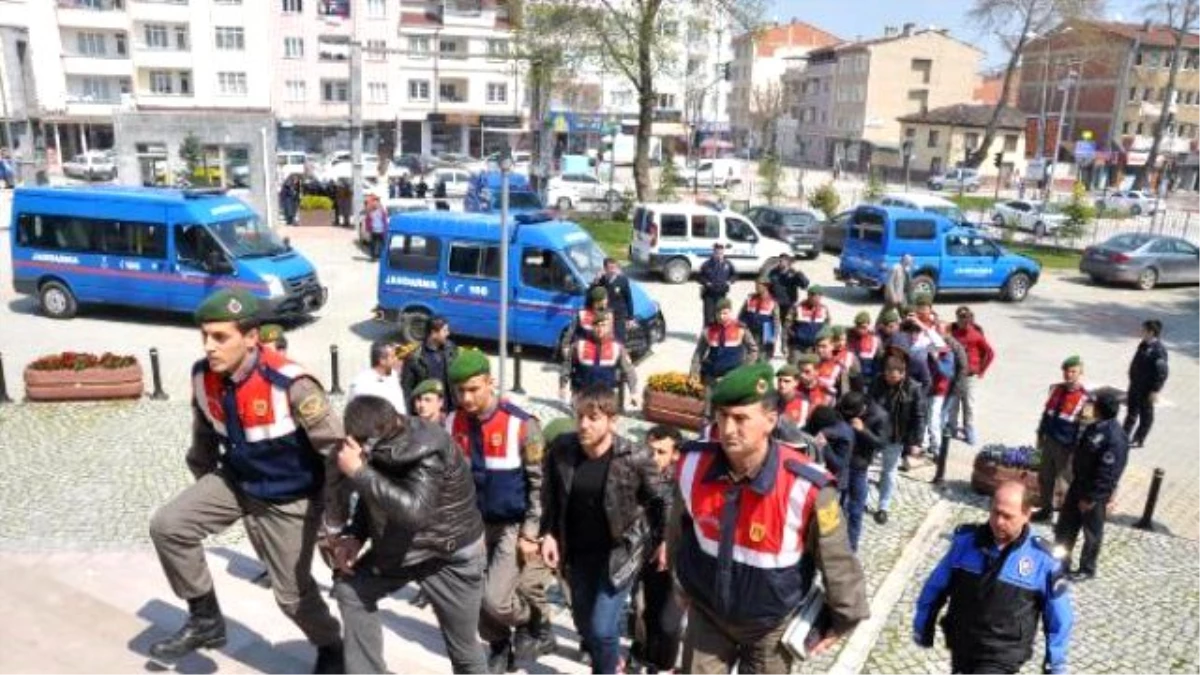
(75, 376)
(673, 398)
(995, 464)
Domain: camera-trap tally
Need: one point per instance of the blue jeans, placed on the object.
(854, 503)
(598, 609)
(887, 477)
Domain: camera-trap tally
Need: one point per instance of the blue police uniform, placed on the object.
(995, 598)
(1098, 463)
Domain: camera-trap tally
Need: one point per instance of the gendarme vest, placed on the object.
(595, 363)
(493, 446)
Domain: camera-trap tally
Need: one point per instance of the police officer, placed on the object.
(786, 282)
(1147, 376)
(746, 544)
(724, 345)
(619, 296)
(805, 322)
(259, 460)
(715, 277)
(504, 444)
(1066, 411)
(760, 314)
(998, 579)
(1099, 462)
(598, 359)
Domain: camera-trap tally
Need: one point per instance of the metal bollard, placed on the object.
(1147, 521)
(517, 388)
(940, 476)
(3, 383)
(156, 376)
(335, 384)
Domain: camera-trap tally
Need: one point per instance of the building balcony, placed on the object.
(160, 58)
(150, 99)
(169, 11)
(78, 64)
(108, 14)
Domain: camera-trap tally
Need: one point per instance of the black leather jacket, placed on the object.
(416, 498)
(905, 407)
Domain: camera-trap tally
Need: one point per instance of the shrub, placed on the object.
(874, 188)
(676, 383)
(82, 361)
(826, 200)
(771, 173)
(668, 179)
(1078, 212)
(316, 203)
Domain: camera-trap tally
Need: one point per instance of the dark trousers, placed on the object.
(597, 608)
(1055, 469)
(454, 587)
(710, 307)
(969, 663)
(662, 618)
(376, 245)
(1070, 521)
(1139, 413)
(854, 504)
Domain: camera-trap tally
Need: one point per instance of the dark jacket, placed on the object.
(786, 285)
(876, 431)
(839, 448)
(426, 363)
(620, 297)
(1099, 461)
(905, 408)
(417, 498)
(635, 495)
(1148, 369)
(715, 278)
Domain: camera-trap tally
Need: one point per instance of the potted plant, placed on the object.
(996, 463)
(674, 398)
(316, 210)
(76, 376)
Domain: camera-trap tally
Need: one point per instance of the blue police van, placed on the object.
(153, 248)
(947, 258)
(483, 194)
(448, 264)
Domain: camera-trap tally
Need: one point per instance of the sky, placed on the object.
(866, 18)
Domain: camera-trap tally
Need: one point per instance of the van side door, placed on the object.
(546, 294)
(742, 245)
(471, 290)
(191, 269)
(969, 262)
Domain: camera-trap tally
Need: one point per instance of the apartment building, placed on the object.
(844, 100)
(756, 72)
(1114, 77)
(942, 137)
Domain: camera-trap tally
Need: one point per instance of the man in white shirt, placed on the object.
(381, 379)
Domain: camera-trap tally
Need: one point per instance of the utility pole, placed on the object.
(356, 128)
(1118, 122)
(1065, 86)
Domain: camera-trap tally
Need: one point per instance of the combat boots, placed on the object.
(205, 628)
(535, 638)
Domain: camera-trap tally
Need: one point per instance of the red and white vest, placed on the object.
(494, 450)
(800, 407)
(725, 351)
(829, 375)
(1060, 417)
(595, 363)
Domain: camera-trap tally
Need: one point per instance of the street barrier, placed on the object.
(156, 375)
(517, 388)
(940, 476)
(335, 385)
(3, 384)
(1147, 521)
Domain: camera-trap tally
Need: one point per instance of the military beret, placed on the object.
(468, 364)
(838, 331)
(557, 427)
(922, 299)
(724, 303)
(890, 316)
(428, 387)
(816, 289)
(807, 359)
(270, 332)
(1072, 361)
(744, 385)
(862, 318)
(598, 293)
(787, 370)
(227, 304)
(826, 333)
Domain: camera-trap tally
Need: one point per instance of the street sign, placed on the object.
(500, 120)
(1085, 151)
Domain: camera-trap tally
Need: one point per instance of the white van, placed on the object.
(712, 173)
(676, 239)
(926, 202)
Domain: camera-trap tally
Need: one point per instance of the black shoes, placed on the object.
(330, 660)
(1079, 576)
(881, 517)
(534, 639)
(205, 629)
(1042, 516)
(500, 657)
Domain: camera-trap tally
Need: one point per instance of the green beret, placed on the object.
(890, 316)
(428, 387)
(826, 333)
(468, 364)
(556, 428)
(597, 293)
(724, 303)
(227, 304)
(270, 332)
(922, 299)
(744, 385)
(862, 318)
(807, 358)
(787, 370)
(1072, 361)
(816, 289)
(837, 331)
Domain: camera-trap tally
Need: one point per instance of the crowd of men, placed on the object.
(433, 477)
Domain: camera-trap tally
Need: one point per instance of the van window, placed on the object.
(706, 227)
(738, 230)
(867, 227)
(674, 225)
(916, 229)
(543, 268)
(475, 260)
(414, 253)
(193, 243)
(92, 235)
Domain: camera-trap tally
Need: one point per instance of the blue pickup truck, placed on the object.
(947, 258)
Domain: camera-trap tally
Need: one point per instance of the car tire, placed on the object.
(57, 301)
(812, 255)
(1147, 279)
(998, 220)
(414, 326)
(972, 188)
(923, 283)
(1039, 229)
(1016, 289)
(563, 204)
(1135, 210)
(677, 271)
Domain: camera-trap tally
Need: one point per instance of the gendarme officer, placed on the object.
(757, 519)
(262, 437)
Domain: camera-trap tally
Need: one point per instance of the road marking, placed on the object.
(854, 655)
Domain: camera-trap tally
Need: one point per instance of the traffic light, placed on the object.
(998, 159)
(725, 71)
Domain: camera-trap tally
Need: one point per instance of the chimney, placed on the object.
(908, 29)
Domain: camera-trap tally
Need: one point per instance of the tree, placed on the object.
(1181, 17)
(771, 173)
(826, 200)
(1021, 19)
(668, 180)
(766, 107)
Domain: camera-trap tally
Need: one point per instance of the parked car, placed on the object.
(1144, 260)
(711, 173)
(1027, 214)
(1135, 202)
(967, 179)
(412, 164)
(833, 232)
(570, 190)
(291, 163)
(457, 181)
(927, 202)
(483, 194)
(338, 166)
(92, 165)
(799, 228)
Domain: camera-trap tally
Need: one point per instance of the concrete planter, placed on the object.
(89, 384)
(314, 218)
(680, 411)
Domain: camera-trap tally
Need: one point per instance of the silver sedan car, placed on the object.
(1144, 260)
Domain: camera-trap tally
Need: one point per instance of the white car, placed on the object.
(568, 191)
(1027, 214)
(712, 173)
(520, 162)
(91, 165)
(291, 163)
(1135, 202)
(339, 166)
(456, 181)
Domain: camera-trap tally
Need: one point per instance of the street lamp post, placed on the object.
(1065, 87)
(505, 168)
